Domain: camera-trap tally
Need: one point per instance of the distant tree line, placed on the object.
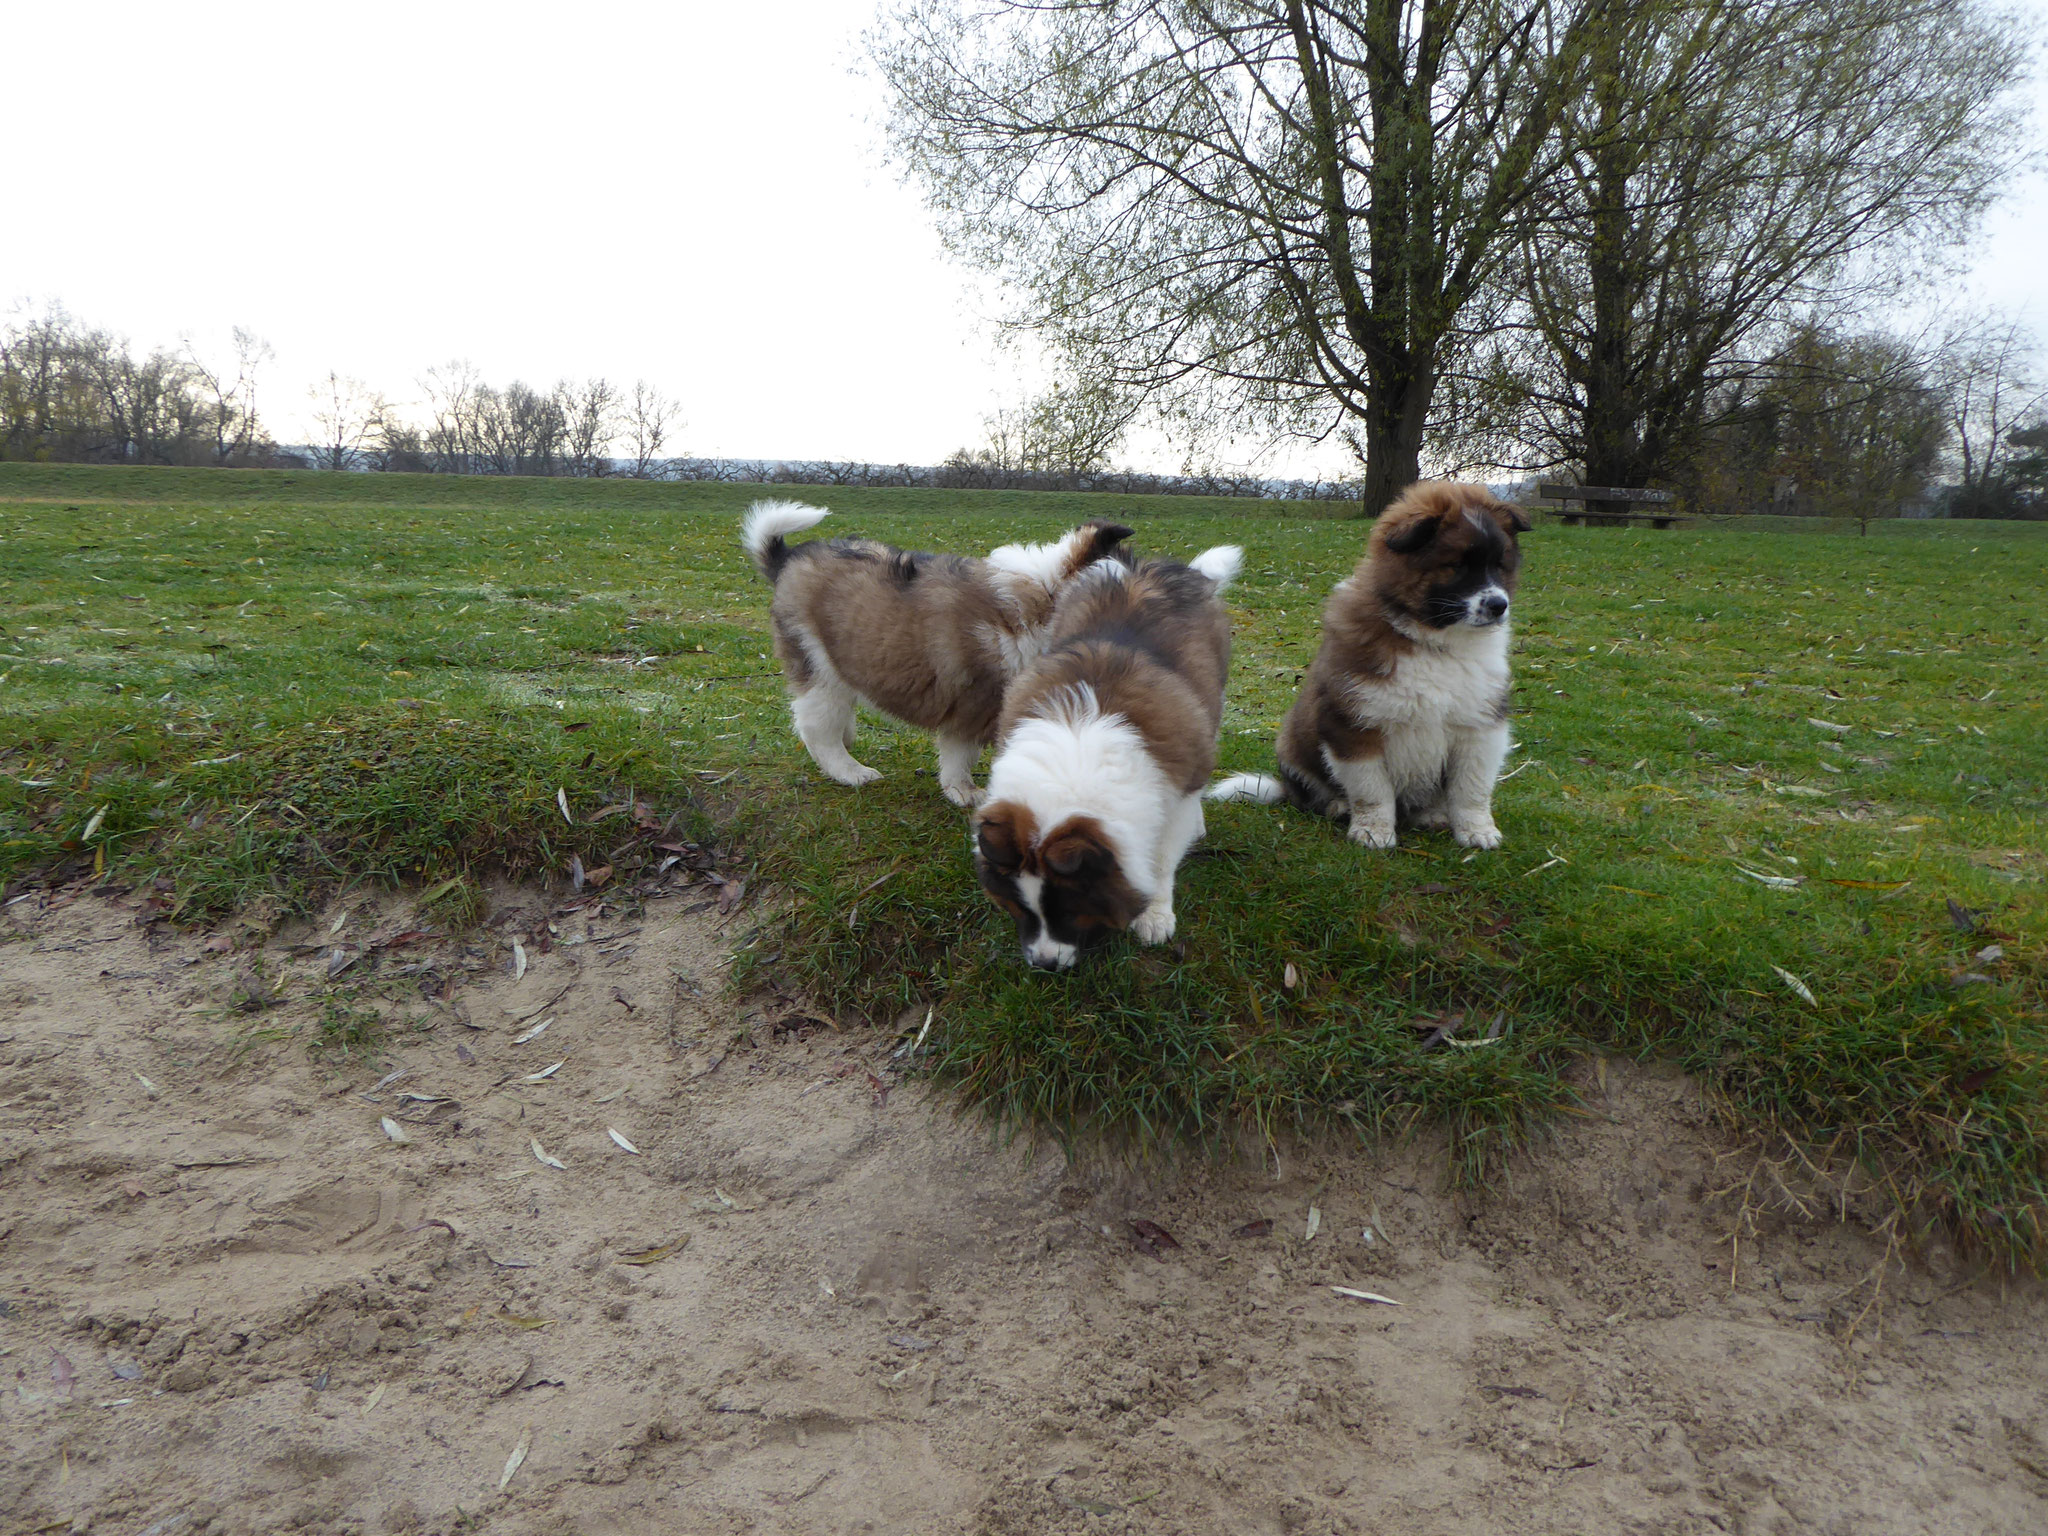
(71, 393)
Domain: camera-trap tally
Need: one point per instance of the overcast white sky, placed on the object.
(690, 193)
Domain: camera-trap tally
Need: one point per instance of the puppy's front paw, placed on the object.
(966, 796)
(1477, 833)
(858, 775)
(1433, 818)
(1154, 925)
(1373, 831)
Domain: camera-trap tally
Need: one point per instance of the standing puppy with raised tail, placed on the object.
(930, 639)
(1403, 716)
(1104, 747)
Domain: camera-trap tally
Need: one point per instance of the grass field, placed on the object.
(1776, 816)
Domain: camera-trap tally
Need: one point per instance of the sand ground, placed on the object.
(231, 1302)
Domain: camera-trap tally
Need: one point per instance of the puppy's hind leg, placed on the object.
(957, 757)
(1156, 923)
(823, 714)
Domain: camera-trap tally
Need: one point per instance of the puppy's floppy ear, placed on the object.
(1512, 517)
(1075, 848)
(1405, 541)
(996, 838)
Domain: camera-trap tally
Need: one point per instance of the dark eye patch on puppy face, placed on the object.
(1065, 893)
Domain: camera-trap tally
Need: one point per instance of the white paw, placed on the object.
(1432, 817)
(857, 775)
(1477, 834)
(1154, 925)
(964, 795)
(1373, 831)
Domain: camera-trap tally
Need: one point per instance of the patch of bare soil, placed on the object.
(234, 1303)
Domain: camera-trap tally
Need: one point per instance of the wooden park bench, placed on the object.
(1613, 505)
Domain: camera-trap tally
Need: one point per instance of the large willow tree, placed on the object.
(1269, 213)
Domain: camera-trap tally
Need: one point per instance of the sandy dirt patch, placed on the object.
(230, 1302)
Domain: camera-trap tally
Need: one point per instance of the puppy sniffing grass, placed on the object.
(1096, 790)
(930, 639)
(1403, 716)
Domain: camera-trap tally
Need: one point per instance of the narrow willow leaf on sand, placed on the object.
(518, 1455)
(562, 803)
(530, 1324)
(147, 1086)
(656, 1255)
(1375, 1296)
(534, 1033)
(1805, 992)
(540, 1155)
(613, 1132)
(518, 960)
(93, 825)
(396, 1131)
(1263, 1227)
(545, 1072)
(376, 1397)
(1315, 1222)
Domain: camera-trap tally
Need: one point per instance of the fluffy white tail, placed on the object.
(1220, 564)
(1257, 788)
(767, 524)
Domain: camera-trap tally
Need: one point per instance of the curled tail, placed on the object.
(767, 524)
(1257, 788)
(1220, 564)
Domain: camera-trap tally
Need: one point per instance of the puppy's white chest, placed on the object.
(1456, 685)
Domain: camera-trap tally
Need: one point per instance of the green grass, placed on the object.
(261, 684)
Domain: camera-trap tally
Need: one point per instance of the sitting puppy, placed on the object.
(1096, 789)
(1404, 713)
(930, 639)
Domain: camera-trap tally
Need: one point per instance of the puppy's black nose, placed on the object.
(1494, 604)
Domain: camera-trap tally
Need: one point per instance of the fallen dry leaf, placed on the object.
(395, 1131)
(540, 1155)
(1150, 1237)
(1263, 1227)
(1869, 885)
(729, 895)
(1290, 978)
(62, 1375)
(613, 1132)
(465, 1055)
(518, 960)
(1970, 1082)
(655, 1255)
(545, 1072)
(1373, 1296)
(534, 1033)
(1804, 992)
(562, 802)
(525, 1437)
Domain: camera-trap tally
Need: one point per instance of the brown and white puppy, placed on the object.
(930, 639)
(1404, 713)
(1106, 741)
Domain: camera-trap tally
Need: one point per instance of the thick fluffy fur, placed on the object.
(1105, 743)
(930, 639)
(1404, 714)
